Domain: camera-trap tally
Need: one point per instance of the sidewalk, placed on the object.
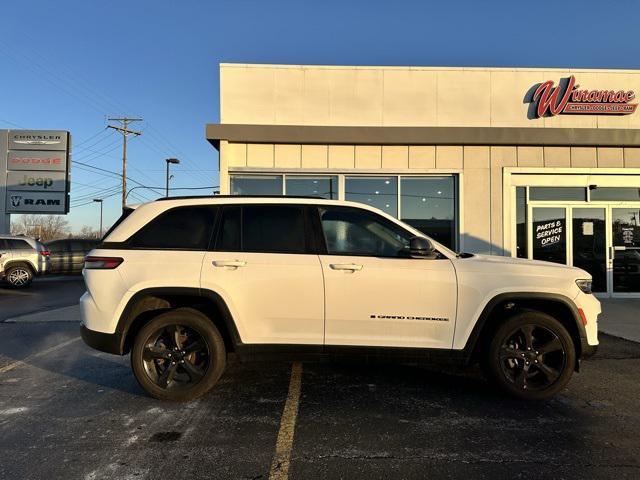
(620, 317)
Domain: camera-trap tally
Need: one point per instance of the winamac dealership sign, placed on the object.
(568, 97)
(37, 175)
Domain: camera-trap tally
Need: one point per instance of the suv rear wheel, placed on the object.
(179, 355)
(531, 356)
(19, 276)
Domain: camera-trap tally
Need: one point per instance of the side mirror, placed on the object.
(420, 247)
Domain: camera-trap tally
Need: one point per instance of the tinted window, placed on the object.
(256, 185)
(15, 244)
(379, 192)
(273, 228)
(57, 246)
(428, 204)
(349, 231)
(558, 193)
(615, 193)
(325, 187)
(229, 236)
(187, 228)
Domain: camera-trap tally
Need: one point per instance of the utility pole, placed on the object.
(169, 161)
(124, 130)
(99, 200)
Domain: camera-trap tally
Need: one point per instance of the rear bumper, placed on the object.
(105, 342)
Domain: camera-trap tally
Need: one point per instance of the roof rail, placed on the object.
(188, 197)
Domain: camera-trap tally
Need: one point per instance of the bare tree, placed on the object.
(43, 227)
(87, 232)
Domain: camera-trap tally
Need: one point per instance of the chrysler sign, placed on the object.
(571, 99)
(37, 171)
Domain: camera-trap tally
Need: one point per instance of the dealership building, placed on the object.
(527, 162)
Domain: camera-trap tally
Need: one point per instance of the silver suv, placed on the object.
(21, 259)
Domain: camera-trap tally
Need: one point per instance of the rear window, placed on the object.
(183, 228)
(15, 244)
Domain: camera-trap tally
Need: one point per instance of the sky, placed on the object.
(70, 65)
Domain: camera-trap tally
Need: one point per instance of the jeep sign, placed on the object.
(37, 181)
(37, 171)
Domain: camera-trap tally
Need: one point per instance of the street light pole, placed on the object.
(99, 200)
(174, 161)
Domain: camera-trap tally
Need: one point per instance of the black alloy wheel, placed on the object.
(176, 356)
(532, 356)
(179, 355)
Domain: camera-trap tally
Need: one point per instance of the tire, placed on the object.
(18, 276)
(538, 373)
(178, 356)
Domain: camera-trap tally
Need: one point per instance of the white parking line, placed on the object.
(19, 363)
(284, 444)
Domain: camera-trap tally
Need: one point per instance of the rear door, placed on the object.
(264, 267)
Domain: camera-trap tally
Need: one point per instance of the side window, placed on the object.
(351, 231)
(273, 228)
(229, 236)
(182, 228)
(15, 244)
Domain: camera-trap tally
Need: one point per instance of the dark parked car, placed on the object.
(67, 256)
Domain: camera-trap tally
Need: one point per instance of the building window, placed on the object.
(379, 192)
(316, 186)
(256, 185)
(428, 204)
(558, 193)
(549, 234)
(522, 250)
(615, 194)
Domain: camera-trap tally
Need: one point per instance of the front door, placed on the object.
(374, 293)
(262, 268)
(625, 235)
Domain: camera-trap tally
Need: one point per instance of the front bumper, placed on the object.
(105, 342)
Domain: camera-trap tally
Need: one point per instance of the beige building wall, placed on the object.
(405, 96)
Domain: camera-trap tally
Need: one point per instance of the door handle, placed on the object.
(352, 267)
(229, 263)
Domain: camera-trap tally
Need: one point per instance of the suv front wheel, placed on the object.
(179, 355)
(19, 276)
(532, 356)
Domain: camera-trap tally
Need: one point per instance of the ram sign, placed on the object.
(37, 171)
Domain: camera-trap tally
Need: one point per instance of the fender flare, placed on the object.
(130, 312)
(490, 306)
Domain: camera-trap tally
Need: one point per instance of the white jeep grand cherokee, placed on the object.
(181, 282)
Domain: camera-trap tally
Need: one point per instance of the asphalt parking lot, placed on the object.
(69, 412)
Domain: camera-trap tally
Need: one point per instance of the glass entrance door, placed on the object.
(625, 236)
(589, 239)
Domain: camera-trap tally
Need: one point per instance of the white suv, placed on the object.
(21, 259)
(181, 282)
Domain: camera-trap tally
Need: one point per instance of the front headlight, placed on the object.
(584, 285)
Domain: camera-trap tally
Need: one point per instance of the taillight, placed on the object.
(45, 253)
(104, 263)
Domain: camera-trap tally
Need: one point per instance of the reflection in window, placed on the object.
(256, 185)
(428, 204)
(549, 235)
(379, 192)
(322, 186)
